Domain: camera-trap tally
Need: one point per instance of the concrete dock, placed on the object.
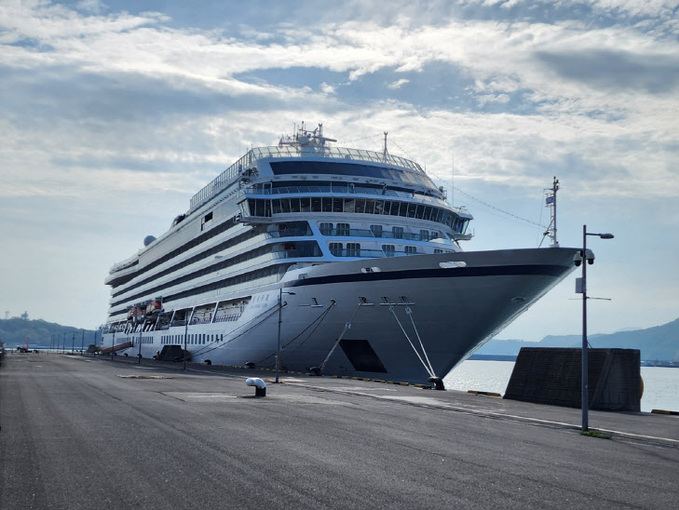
(90, 433)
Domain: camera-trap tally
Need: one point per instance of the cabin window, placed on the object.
(376, 230)
(424, 235)
(205, 221)
(353, 249)
(411, 250)
(336, 249)
(343, 229)
(397, 232)
(389, 250)
(326, 228)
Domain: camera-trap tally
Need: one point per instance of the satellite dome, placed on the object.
(148, 240)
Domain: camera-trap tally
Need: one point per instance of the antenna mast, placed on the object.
(452, 184)
(385, 145)
(550, 201)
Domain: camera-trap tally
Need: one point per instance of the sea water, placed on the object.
(661, 384)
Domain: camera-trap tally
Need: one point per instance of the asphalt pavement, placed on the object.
(91, 433)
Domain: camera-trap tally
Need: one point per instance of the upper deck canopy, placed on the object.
(309, 152)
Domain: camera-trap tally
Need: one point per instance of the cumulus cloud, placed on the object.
(398, 83)
(122, 86)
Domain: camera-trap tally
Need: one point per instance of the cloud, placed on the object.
(137, 92)
(398, 83)
(616, 70)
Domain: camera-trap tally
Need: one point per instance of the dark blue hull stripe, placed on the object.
(460, 272)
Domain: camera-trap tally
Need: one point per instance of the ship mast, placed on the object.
(550, 201)
(386, 153)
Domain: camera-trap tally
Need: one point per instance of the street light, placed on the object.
(584, 258)
(280, 319)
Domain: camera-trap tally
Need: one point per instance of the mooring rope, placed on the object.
(410, 314)
(428, 369)
(317, 320)
(347, 327)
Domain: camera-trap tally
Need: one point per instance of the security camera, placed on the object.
(590, 257)
(577, 259)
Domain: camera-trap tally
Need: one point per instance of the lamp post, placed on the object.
(140, 340)
(280, 319)
(186, 337)
(584, 260)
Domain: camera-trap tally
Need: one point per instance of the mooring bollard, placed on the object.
(260, 386)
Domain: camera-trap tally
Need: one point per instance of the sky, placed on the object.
(113, 114)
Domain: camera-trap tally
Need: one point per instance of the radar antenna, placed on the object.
(550, 201)
(308, 140)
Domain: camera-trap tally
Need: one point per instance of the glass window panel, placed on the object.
(370, 207)
(337, 205)
(379, 207)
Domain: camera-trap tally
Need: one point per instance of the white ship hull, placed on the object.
(401, 319)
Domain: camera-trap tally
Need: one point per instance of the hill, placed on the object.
(39, 333)
(659, 343)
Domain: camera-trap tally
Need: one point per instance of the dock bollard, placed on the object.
(438, 383)
(260, 386)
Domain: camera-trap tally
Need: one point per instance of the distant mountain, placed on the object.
(39, 333)
(659, 343)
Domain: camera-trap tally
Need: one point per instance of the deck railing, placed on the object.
(291, 151)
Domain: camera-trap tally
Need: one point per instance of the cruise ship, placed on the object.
(307, 257)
